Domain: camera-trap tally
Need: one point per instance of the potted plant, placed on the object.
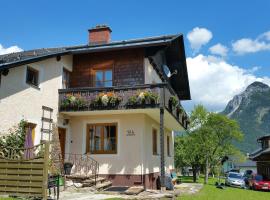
(179, 110)
(73, 101)
(173, 102)
(108, 100)
(143, 98)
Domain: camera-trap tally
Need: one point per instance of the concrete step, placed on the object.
(79, 177)
(91, 182)
(104, 185)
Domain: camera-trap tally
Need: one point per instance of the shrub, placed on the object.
(15, 136)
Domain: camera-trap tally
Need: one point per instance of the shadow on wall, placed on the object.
(15, 81)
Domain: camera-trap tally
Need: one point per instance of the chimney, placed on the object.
(100, 34)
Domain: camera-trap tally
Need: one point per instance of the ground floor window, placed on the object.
(101, 138)
(168, 146)
(154, 140)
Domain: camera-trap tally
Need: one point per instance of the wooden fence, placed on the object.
(24, 172)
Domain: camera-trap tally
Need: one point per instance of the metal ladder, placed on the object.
(46, 130)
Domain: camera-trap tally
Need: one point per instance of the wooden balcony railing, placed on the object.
(118, 98)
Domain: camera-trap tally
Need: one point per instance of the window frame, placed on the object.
(168, 146)
(102, 151)
(66, 79)
(154, 142)
(36, 72)
(103, 69)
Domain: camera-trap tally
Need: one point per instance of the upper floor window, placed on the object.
(32, 76)
(65, 79)
(103, 78)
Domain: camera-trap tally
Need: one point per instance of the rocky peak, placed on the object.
(244, 97)
(257, 86)
(251, 109)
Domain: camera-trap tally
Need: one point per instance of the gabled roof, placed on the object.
(17, 59)
(265, 137)
(248, 163)
(172, 45)
(256, 155)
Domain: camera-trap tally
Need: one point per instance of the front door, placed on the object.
(62, 140)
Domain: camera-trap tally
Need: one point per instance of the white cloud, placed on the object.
(219, 49)
(248, 45)
(213, 82)
(266, 35)
(11, 49)
(199, 37)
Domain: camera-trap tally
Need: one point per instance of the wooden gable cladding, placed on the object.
(127, 67)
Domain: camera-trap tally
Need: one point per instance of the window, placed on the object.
(101, 139)
(168, 146)
(154, 138)
(65, 79)
(103, 78)
(32, 76)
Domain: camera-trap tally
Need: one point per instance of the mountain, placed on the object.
(251, 109)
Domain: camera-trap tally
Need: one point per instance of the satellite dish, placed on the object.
(167, 70)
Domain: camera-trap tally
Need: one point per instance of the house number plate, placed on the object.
(130, 132)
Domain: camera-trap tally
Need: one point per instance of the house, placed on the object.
(118, 102)
(242, 167)
(262, 156)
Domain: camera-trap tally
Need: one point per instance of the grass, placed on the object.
(210, 192)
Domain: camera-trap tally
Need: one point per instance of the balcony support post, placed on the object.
(162, 156)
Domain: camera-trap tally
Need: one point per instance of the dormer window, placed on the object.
(103, 78)
(32, 76)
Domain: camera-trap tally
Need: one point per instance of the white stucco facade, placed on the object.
(19, 100)
(134, 153)
(150, 75)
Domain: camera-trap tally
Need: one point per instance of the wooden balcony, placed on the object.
(146, 96)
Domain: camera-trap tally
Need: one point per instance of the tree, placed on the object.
(221, 132)
(187, 154)
(209, 138)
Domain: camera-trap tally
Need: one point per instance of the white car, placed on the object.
(235, 179)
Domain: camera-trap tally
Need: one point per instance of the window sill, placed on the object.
(33, 86)
(156, 154)
(103, 153)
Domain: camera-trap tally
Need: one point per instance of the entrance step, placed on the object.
(91, 182)
(103, 186)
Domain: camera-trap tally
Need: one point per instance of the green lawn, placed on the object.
(210, 192)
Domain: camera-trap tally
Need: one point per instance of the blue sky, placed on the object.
(35, 24)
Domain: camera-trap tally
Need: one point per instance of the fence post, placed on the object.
(45, 169)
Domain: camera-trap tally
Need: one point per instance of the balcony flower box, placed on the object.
(144, 99)
(73, 102)
(106, 101)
